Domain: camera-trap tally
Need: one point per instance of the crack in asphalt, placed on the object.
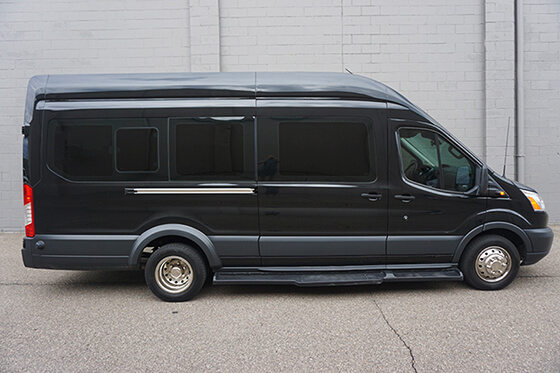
(412, 361)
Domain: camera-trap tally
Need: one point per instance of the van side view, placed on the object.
(309, 179)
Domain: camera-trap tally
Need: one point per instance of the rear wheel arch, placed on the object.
(175, 233)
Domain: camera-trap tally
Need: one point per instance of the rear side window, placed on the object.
(316, 149)
(105, 149)
(83, 150)
(137, 149)
(217, 148)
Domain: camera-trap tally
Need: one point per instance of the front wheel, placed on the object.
(490, 262)
(175, 272)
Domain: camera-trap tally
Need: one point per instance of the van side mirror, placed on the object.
(483, 183)
(481, 188)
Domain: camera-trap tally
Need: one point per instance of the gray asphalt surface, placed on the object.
(71, 321)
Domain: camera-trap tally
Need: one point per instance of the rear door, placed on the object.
(322, 187)
(119, 168)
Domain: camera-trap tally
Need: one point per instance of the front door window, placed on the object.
(429, 159)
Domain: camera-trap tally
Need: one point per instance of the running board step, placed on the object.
(228, 277)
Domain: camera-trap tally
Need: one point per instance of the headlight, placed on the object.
(535, 199)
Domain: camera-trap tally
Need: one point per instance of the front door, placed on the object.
(430, 209)
(321, 182)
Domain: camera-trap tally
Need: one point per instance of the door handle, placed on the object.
(404, 197)
(372, 196)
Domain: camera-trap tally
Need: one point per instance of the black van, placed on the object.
(263, 178)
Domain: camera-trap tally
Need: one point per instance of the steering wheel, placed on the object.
(430, 175)
(412, 166)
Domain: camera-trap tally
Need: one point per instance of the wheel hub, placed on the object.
(173, 274)
(493, 264)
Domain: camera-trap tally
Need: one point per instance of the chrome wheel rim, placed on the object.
(174, 274)
(493, 264)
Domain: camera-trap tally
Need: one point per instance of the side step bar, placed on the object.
(376, 277)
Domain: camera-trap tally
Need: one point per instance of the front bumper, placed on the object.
(541, 240)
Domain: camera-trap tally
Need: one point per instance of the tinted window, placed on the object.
(420, 156)
(316, 149)
(137, 149)
(83, 150)
(458, 171)
(212, 148)
(431, 160)
(107, 149)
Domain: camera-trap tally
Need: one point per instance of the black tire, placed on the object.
(175, 272)
(490, 262)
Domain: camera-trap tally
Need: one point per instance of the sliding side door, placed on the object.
(321, 182)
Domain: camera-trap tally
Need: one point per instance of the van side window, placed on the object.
(106, 149)
(212, 148)
(83, 150)
(137, 149)
(429, 159)
(316, 149)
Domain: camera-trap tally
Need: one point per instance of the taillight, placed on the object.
(28, 207)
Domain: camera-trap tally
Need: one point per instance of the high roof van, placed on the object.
(263, 178)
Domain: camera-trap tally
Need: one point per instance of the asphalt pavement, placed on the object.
(79, 321)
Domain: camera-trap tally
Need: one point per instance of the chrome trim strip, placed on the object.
(304, 185)
(143, 104)
(192, 191)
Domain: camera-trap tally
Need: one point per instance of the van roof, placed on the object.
(247, 85)
(198, 85)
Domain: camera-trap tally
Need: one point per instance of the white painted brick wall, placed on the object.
(204, 35)
(500, 84)
(542, 100)
(281, 35)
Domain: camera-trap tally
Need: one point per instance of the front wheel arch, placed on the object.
(507, 230)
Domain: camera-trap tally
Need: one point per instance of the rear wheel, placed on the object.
(176, 272)
(490, 262)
